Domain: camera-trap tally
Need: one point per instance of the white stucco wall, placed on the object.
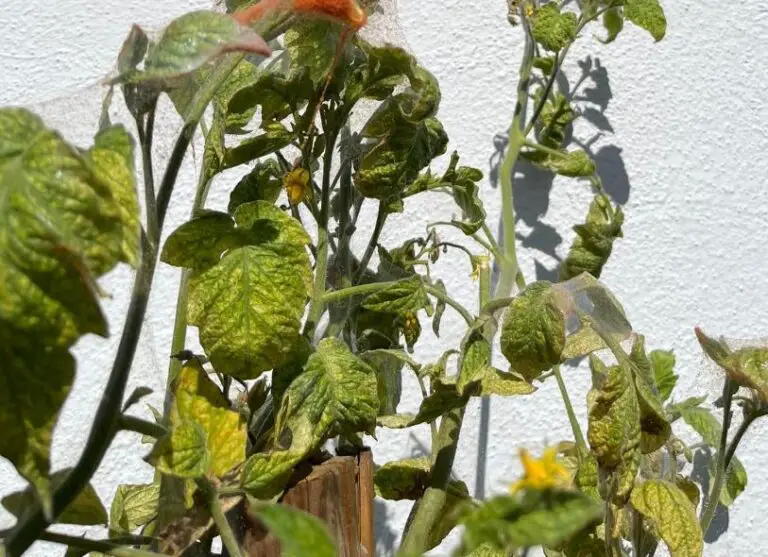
(688, 120)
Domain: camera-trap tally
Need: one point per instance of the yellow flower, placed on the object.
(543, 473)
(297, 185)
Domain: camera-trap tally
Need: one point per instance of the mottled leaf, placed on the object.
(336, 393)
(552, 29)
(275, 136)
(62, 224)
(614, 425)
(133, 506)
(262, 183)
(248, 307)
(647, 14)
(594, 240)
(573, 164)
(672, 514)
(533, 333)
(265, 474)
(313, 44)
(182, 452)
(404, 296)
(199, 243)
(34, 382)
(86, 510)
(655, 429)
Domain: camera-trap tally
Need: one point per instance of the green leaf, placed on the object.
(573, 164)
(34, 382)
(404, 296)
(191, 41)
(465, 191)
(716, 350)
(613, 21)
(594, 240)
(663, 364)
(654, 427)
(647, 14)
(248, 307)
(614, 431)
(61, 226)
(300, 534)
(183, 452)
(265, 474)
(551, 29)
(530, 519)
(263, 183)
(440, 308)
(706, 425)
(277, 94)
(85, 510)
(336, 393)
(199, 243)
(533, 334)
(556, 116)
(673, 516)
(402, 479)
(275, 137)
(133, 506)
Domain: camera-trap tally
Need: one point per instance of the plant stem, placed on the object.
(516, 138)
(440, 295)
(484, 268)
(107, 547)
(137, 425)
(575, 427)
(228, 538)
(359, 290)
(146, 135)
(708, 512)
(381, 218)
(737, 439)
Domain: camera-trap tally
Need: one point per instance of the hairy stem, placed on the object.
(708, 513)
(107, 547)
(484, 267)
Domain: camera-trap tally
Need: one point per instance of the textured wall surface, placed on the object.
(678, 130)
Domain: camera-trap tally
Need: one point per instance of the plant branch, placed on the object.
(144, 427)
(228, 538)
(108, 547)
(708, 512)
(146, 133)
(743, 427)
(381, 218)
(440, 295)
(575, 427)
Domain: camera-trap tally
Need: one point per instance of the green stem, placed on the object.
(484, 271)
(708, 513)
(381, 218)
(737, 439)
(575, 427)
(146, 135)
(516, 138)
(228, 538)
(137, 425)
(440, 295)
(359, 290)
(106, 546)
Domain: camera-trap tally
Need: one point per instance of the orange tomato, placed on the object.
(344, 11)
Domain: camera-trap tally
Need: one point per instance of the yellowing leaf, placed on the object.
(672, 514)
(198, 399)
(86, 510)
(265, 474)
(182, 452)
(655, 429)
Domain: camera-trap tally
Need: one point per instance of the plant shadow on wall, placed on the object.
(589, 96)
